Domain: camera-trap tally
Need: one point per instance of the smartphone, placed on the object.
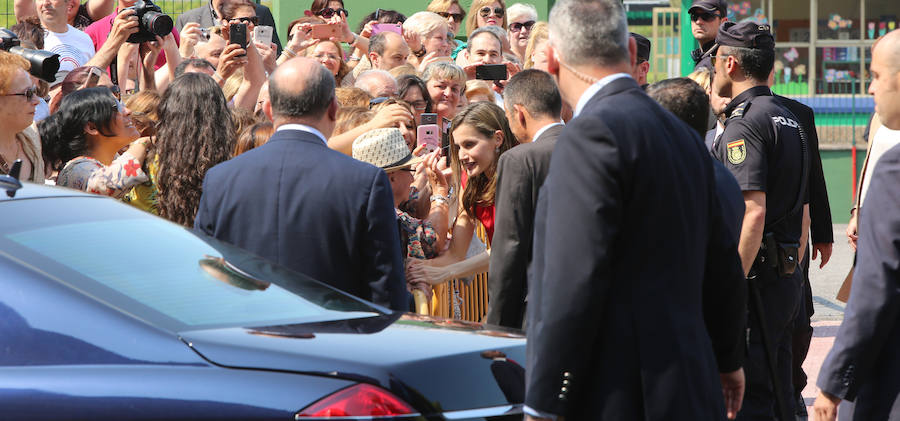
(263, 35)
(92, 79)
(428, 132)
(445, 140)
(325, 31)
(237, 34)
(491, 72)
(386, 27)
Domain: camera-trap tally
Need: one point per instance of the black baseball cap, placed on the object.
(746, 35)
(643, 47)
(709, 6)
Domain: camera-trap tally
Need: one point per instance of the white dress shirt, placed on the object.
(304, 128)
(593, 89)
(537, 134)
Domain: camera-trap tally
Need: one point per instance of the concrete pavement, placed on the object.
(829, 312)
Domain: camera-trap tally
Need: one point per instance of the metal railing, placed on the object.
(842, 111)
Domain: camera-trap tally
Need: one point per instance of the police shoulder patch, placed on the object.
(736, 151)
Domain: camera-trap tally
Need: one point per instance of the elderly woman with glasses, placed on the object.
(429, 38)
(81, 141)
(521, 18)
(18, 99)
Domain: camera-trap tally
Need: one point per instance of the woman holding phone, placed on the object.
(479, 136)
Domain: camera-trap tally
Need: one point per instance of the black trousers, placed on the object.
(781, 301)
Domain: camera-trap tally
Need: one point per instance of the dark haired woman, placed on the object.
(196, 132)
(413, 90)
(479, 136)
(82, 138)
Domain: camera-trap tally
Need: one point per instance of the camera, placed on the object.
(44, 64)
(151, 22)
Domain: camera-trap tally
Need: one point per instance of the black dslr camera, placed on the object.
(151, 22)
(44, 64)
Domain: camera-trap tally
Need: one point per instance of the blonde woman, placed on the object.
(445, 83)
(536, 50)
(484, 13)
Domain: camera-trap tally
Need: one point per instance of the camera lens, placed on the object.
(157, 23)
(44, 64)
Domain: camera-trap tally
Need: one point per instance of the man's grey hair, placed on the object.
(484, 30)
(590, 32)
(312, 100)
(377, 76)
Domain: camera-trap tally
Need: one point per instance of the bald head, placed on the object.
(885, 84)
(301, 88)
(378, 83)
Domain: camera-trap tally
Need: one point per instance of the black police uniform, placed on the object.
(702, 57)
(764, 148)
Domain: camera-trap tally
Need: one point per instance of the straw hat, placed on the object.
(385, 148)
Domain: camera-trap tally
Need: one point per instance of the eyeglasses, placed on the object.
(516, 27)
(457, 17)
(29, 93)
(706, 16)
(486, 11)
(246, 19)
(328, 12)
(375, 101)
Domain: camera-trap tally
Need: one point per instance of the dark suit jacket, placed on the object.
(864, 363)
(819, 210)
(632, 230)
(203, 16)
(520, 174)
(312, 209)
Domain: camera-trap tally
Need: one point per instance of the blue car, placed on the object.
(109, 313)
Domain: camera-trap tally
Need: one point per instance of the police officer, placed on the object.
(765, 149)
(706, 17)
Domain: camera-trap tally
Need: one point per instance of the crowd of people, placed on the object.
(653, 239)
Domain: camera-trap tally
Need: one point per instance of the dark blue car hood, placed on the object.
(435, 364)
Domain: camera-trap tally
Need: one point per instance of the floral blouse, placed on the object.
(421, 238)
(88, 174)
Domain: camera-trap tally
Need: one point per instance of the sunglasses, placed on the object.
(516, 27)
(714, 59)
(706, 16)
(247, 19)
(116, 92)
(375, 101)
(328, 12)
(457, 17)
(486, 11)
(29, 93)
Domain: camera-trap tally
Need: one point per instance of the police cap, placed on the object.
(746, 35)
(710, 6)
(643, 47)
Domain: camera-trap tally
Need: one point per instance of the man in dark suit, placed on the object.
(632, 230)
(822, 236)
(532, 104)
(864, 363)
(207, 15)
(303, 205)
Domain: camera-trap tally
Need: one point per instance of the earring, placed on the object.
(497, 150)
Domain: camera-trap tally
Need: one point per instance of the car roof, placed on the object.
(31, 190)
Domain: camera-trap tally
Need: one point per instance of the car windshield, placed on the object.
(161, 272)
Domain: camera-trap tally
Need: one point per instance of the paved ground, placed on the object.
(828, 311)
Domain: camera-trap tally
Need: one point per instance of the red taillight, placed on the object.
(357, 401)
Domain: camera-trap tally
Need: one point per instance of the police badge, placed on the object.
(736, 151)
